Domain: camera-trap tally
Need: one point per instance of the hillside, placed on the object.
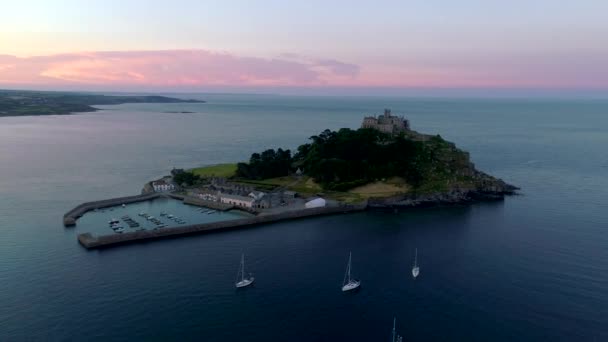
(372, 164)
(22, 103)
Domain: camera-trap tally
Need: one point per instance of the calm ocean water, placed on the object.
(534, 267)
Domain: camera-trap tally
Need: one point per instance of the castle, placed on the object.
(387, 123)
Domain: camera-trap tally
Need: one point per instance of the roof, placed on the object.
(237, 197)
(160, 182)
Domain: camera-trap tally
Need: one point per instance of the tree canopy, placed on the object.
(268, 164)
(343, 159)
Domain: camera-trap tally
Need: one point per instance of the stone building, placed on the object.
(163, 185)
(387, 123)
(237, 200)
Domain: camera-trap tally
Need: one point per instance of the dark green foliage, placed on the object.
(268, 164)
(187, 178)
(348, 158)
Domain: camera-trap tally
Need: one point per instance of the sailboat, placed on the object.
(241, 281)
(349, 284)
(396, 338)
(415, 269)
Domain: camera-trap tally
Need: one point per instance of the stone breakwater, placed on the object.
(89, 241)
(69, 219)
(488, 190)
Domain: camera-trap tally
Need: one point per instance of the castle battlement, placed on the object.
(386, 123)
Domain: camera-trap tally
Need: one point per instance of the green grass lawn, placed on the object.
(219, 170)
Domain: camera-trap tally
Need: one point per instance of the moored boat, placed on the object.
(349, 283)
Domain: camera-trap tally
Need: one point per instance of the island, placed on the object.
(384, 165)
(30, 103)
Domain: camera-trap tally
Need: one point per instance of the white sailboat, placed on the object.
(349, 284)
(415, 269)
(396, 338)
(241, 281)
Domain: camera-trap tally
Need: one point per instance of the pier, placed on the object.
(91, 241)
(69, 219)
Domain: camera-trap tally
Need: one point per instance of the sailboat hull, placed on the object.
(352, 285)
(415, 272)
(244, 283)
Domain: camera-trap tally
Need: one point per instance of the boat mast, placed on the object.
(350, 255)
(394, 323)
(242, 267)
(347, 273)
(416, 258)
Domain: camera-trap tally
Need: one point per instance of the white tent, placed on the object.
(315, 203)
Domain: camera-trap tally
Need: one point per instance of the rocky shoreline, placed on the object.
(489, 189)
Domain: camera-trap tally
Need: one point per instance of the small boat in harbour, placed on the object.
(349, 283)
(241, 281)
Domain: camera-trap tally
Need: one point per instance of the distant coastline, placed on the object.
(33, 103)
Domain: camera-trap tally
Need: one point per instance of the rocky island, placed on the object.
(23, 103)
(382, 165)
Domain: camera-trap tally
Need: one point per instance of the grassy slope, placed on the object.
(219, 170)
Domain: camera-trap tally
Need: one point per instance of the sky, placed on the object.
(379, 46)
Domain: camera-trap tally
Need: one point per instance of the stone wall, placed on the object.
(90, 241)
(69, 218)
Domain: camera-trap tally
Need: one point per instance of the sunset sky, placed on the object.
(247, 45)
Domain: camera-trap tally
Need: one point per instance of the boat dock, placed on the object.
(69, 219)
(91, 241)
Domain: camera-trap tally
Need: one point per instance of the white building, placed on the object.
(162, 186)
(257, 195)
(239, 201)
(315, 203)
(206, 195)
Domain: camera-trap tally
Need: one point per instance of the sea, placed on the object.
(533, 267)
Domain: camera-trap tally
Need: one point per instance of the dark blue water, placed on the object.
(534, 267)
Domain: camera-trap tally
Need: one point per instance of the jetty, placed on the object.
(91, 241)
(69, 218)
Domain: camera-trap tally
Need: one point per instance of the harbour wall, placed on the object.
(90, 241)
(69, 219)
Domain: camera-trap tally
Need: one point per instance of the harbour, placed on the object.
(91, 241)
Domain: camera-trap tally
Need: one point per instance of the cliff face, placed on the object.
(450, 178)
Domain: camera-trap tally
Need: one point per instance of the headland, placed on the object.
(24, 103)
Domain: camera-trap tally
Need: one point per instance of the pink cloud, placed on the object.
(192, 69)
(169, 68)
